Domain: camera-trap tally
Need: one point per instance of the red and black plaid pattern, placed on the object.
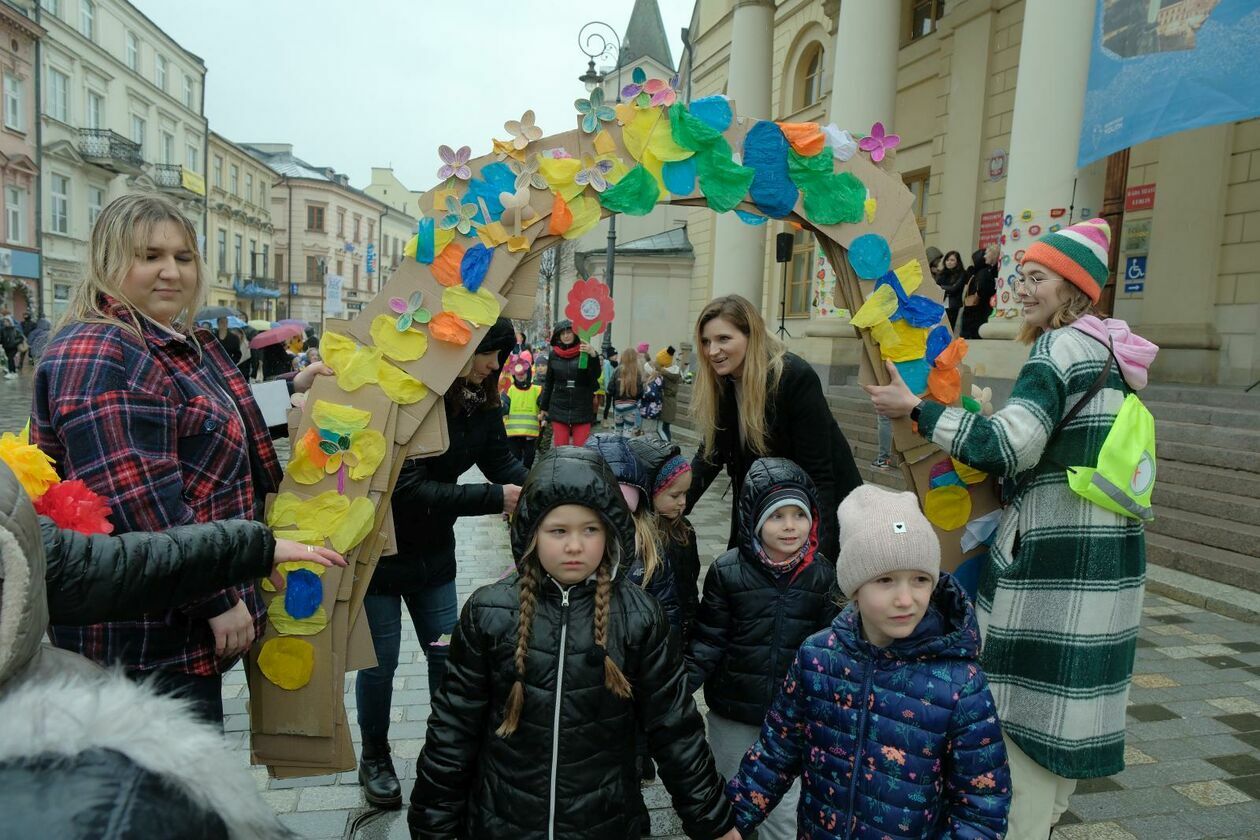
(169, 435)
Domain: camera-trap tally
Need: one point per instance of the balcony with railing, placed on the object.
(170, 176)
(256, 287)
(111, 151)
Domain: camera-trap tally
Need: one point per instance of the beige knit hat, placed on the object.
(880, 532)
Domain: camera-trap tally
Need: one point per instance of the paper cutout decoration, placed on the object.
(446, 267)
(410, 311)
(593, 173)
(561, 216)
(291, 625)
(908, 346)
(399, 346)
(753, 219)
(484, 192)
(914, 373)
(328, 516)
(479, 307)
(34, 469)
(878, 306)
(474, 265)
(591, 309)
(806, 138)
(765, 152)
(458, 216)
(938, 339)
(338, 443)
(503, 150)
(644, 92)
(969, 475)
(869, 256)
(560, 175)
(288, 566)
(633, 195)
(527, 174)
(425, 242)
(586, 214)
(679, 176)
(402, 388)
(73, 506)
(980, 530)
(594, 111)
(523, 131)
(454, 164)
(447, 326)
(604, 144)
(878, 143)
(983, 398)
(840, 141)
(356, 366)
(287, 662)
(948, 508)
(945, 380)
(714, 111)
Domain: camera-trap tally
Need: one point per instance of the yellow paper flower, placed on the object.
(287, 662)
(328, 516)
(398, 386)
(878, 307)
(354, 365)
(34, 469)
(338, 443)
(479, 307)
(399, 346)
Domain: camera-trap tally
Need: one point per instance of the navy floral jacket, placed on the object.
(890, 743)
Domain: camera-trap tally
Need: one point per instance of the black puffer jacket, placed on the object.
(573, 751)
(684, 558)
(568, 394)
(800, 426)
(427, 498)
(750, 622)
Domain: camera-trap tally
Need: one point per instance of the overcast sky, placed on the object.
(354, 84)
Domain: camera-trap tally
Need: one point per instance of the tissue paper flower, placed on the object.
(454, 164)
(879, 143)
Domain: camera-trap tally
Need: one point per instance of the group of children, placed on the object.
(561, 676)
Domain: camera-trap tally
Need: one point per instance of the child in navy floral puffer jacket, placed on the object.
(886, 716)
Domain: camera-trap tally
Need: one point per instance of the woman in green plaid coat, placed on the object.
(1061, 598)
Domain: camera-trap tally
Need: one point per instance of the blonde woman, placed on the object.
(753, 399)
(1061, 597)
(153, 415)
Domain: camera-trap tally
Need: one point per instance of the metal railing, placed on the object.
(103, 144)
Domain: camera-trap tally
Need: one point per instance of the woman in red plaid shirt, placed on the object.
(158, 420)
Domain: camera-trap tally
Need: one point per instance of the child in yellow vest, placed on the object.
(520, 413)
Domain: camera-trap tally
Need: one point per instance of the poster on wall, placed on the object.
(824, 302)
(1162, 66)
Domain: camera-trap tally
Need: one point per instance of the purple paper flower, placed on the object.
(878, 143)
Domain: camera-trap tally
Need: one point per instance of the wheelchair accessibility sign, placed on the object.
(1134, 274)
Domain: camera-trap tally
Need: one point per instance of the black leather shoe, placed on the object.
(377, 776)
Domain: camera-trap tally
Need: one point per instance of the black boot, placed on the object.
(376, 774)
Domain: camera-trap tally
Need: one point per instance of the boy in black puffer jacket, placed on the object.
(761, 600)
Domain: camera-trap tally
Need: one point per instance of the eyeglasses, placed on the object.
(1029, 280)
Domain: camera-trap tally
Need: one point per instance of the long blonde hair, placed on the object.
(120, 233)
(763, 365)
(629, 375)
(647, 540)
(1075, 305)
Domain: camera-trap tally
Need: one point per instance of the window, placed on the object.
(253, 257)
(60, 204)
(133, 52)
(218, 171)
(159, 72)
(234, 179)
(358, 221)
(188, 92)
(371, 231)
(809, 77)
(12, 102)
(95, 110)
(96, 200)
(923, 17)
(236, 252)
(312, 270)
(87, 19)
(249, 187)
(137, 131)
(168, 147)
(918, 182)
(220, 251)
(800, 277)
(341, 224)
(279, 266)
(58, 95)
(15, 214)
(265, 256)
(341, 268)
(356, 275)
(314, 217)
(262, 193)
(193, 157)
(53, 7)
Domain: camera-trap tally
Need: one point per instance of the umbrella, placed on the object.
(260, 324)
(213, 313)
(275, 335)
(234, 323)
(297, 322)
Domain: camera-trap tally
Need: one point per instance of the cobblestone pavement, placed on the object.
(1193, 753)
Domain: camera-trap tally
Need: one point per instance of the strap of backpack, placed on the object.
(1094, 388)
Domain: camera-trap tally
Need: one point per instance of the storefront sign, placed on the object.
(990, 227)
(1141, 197)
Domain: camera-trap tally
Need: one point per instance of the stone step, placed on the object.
(1209, 454)
(1240, 537)
(1230, 506)
(1233, 482)
(1204, 561)
(892, 479)
(1241, 441)
(1205, 415)
(847, 402)
(1202, 396)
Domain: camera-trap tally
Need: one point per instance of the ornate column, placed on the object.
(864, 65)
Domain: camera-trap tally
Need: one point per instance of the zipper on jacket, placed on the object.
(555, 724)
(863, 720)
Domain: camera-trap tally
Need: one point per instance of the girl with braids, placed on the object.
(563, 648)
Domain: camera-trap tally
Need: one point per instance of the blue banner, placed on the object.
(1163, 66)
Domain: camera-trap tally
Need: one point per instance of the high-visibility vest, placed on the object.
(522, 416)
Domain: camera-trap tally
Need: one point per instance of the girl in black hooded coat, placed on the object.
(532, 733)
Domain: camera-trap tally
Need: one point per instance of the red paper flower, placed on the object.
(71, 505)
(589, 307)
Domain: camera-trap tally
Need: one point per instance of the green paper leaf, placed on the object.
(690, 131)
(840, 199)
(723, 181)
(634, 195)
(328, 448)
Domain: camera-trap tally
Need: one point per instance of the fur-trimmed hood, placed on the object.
(23, 605)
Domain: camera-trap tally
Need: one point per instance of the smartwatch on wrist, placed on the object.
(914, 412)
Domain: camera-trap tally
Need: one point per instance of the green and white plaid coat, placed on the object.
(1061, 598)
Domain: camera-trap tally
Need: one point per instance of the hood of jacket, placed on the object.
(765, 475)
(500, 338)
(949, 629)
(23, 605)
(620, 457)
(571, 475)
(977, 259)
(652, 453)
(1134, 353)
(561, 326)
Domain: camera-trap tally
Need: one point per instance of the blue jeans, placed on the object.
(434, 611)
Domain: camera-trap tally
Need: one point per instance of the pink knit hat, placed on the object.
(641, 347)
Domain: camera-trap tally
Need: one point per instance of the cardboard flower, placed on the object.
(594, 173)
(73, 506)
(410, 311)
(458, 216)
(645, 93)
(594, 111)
(338, 443)
(590, 308)
(527, 174)
(523, 131)
(32, 467)
(878, 143)
(454, 164)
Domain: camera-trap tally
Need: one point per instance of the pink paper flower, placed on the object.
(878, 143)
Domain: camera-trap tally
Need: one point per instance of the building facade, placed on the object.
(19, 162)
(975, 150)
(398, 224)
(322, 230)
(122, 111)
(239, 248)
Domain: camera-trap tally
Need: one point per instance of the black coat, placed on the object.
(952, 283)
(568, 394)
(800, 427)
(428, 499)
(751, 622)
(981, 281)
(99, 578)
(471, 783)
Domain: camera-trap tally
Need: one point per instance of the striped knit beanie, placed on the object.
(1078, 252)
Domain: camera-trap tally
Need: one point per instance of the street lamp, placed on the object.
(597, 40)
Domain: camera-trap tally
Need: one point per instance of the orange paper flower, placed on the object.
(449, 327)
(944, 379)
(806, 138)
(445, 266)
(561, 216)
